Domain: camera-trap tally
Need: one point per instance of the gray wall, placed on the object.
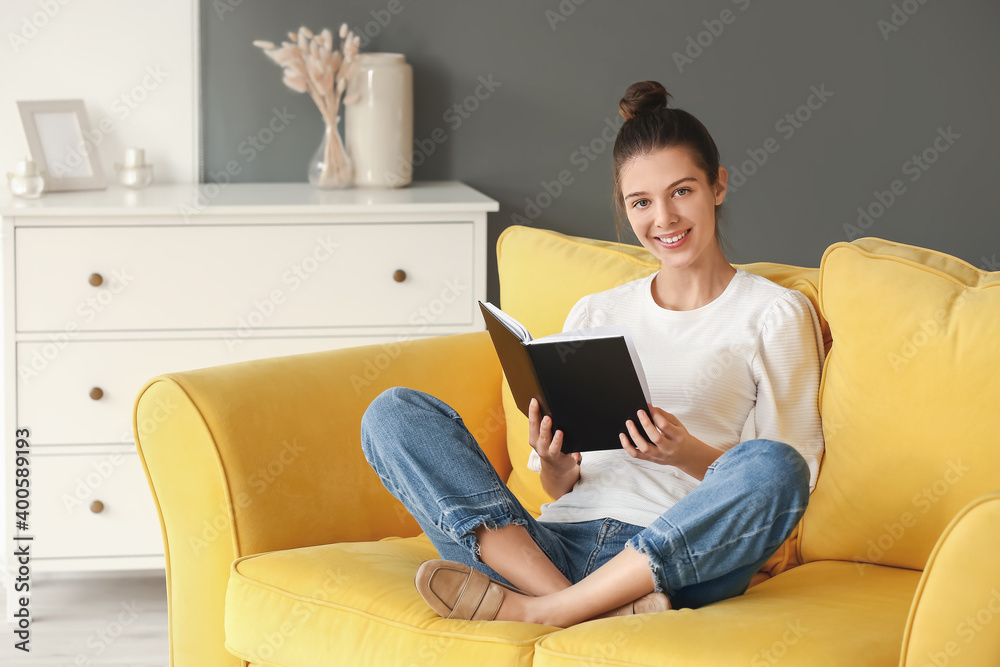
(896, 80)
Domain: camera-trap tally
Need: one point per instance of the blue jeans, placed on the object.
(703, 549)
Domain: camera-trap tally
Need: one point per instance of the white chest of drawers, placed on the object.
(106, 289)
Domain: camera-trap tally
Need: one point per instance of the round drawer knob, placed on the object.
(96, 279)
(399, 276)
(96, 393)
(97, 507)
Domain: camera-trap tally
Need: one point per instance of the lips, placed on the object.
(673, 240)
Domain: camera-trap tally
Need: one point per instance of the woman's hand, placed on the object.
(548, 446)
(559, 471)
(665, 440)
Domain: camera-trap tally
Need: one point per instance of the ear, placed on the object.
(720, 185)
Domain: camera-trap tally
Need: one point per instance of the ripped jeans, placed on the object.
(704, 548)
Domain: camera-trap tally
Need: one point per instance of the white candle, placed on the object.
(134, 157)
(25, 168)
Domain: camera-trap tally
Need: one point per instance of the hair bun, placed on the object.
(643, 97)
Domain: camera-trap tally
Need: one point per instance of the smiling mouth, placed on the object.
(673, 238)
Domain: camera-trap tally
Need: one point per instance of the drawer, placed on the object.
(219, 277)
(63, 488)
(54, 384)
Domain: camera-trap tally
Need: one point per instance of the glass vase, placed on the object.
(330, 167)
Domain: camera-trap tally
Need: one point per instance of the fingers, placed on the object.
(548, 443)
(533, 417)
(642, 445)
(628, 446)
(632, 442)
(663, 419)
(652, 432)
(540, 435)
(639, 441)
(555, 444)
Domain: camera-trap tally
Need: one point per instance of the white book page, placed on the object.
(515, 327)
(609, 331)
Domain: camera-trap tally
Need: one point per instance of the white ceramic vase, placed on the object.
(378, 127)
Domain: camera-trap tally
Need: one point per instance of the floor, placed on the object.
(92, 620)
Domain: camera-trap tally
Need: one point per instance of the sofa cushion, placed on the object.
(355, 603)
(571, 267)
(909, 401)
(820, 614)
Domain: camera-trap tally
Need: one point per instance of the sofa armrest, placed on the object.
(266, 454)
(955, 615)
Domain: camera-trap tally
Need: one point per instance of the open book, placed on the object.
(589, 381)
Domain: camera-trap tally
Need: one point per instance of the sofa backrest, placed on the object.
(910, 401)
(542, 276)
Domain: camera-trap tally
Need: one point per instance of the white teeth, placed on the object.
(673, 239)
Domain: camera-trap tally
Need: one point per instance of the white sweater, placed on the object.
(746, 365)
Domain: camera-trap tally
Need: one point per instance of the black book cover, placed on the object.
(589, 386)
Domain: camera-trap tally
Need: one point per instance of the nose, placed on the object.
(665, 214)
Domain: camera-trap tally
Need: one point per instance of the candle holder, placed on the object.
(135, 173)
(27, 181)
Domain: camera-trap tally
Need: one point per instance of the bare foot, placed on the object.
(525, 608)
(647, 604)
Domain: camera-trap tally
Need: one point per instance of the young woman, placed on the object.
(686, 511)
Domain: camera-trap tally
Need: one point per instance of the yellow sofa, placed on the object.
(283, 548)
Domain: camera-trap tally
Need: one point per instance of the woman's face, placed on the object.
(671, 206)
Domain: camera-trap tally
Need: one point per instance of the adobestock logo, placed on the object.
(33, 23)
(896, 528)
(779, 648)
(37, 358)
(87, 486)
(562, 12)
(250, 147)
(914, 167)
(968, 629)
(423, 317)
(787, 126)
(264, 308)
(122, 107)
(382, 19)
(455, 115)
(898, 17)
(581, 158)
(697, 44)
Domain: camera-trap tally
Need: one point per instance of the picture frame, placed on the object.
(60, 142)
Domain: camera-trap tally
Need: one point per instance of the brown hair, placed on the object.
(649, 126)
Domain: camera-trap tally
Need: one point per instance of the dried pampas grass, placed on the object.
(311, 65)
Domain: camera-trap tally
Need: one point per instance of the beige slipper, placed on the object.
(455, 590)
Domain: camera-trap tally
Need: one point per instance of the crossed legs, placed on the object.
(705, 548)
